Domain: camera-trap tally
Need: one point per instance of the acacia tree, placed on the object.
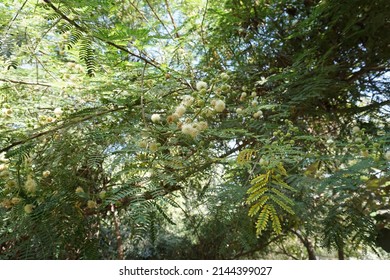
(232, 129)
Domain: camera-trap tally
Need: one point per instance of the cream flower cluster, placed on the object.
(156, 118)
(16, 200)
(91, 204)
(258, 114)
(6, 112)
(180, 110)
(224, 76)
(219, 105)
(3, 167)
(153, 146)
(79, 190)
(28, 208)
(187, 100)
(58, 112)
(30, 185)
(201, 85)
(193, 129)
(3, 158)
(355, 130)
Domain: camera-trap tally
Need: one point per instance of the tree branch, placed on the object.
(172, 19)
(306, 242)
(356, 75)
(84, 30)
(118, 234)
(257, 248)
(370, 107)
(70, 123)
(25, 83)
(15, 17)
(158, 18)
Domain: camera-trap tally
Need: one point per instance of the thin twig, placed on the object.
(258, 248)
(172, 19)
(15, 17)
(45, 33)
(202, 23)
(142, 15)
(142, 95)
(158, 18)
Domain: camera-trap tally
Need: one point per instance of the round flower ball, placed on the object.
(28, 208)
(180, 110)
(58, 112)
(187, 100)
(91, 204)
(358, 140)
(155, 118)
(355, 129)
(329, 141)
(258, 114)
(224, 76)
(219, 106)
(102, 194)
(153, 147)
(79, 190)
(16, 200)
(201, 85)
(387, 155)
(190, 129)
(225, 87)
(3, 167)
(30, 184)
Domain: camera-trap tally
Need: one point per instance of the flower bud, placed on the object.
(91, 204)
(28, 208)
(46, 173)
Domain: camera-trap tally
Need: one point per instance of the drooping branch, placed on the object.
(84, 30)
(158, 18)
(59, 127)
(25, 82)
(371, 107)
(16, 16)
(365, 70)
(257, 248)
(172, 19)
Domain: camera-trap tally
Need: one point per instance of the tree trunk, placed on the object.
(118, 234)
(306, 242)
(341, 253)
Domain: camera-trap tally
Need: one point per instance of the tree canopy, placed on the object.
(199, 129)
